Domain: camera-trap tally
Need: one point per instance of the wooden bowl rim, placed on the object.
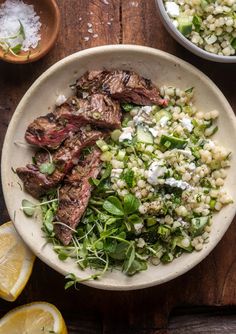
(44, 51)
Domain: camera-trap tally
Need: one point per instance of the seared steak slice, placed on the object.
(97, 109)
(35, 183)
(51, 130)
(74, 196)
(67, 156)
(125, 86)
(48, 131)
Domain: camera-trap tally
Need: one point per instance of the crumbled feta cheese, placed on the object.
(138, 120)
(163, 121)
(153, 131)
(178, 183)
(154, 172)
(172, 8)
(138, 228)
(187, 152)
(211, 144)
(187, 124)
(141, 243)
(146, 109)
(60, 100)
(126, 134)
(175, 23)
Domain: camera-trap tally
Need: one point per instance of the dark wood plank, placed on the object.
(205, 321)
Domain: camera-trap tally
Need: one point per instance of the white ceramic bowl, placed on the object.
(160, 67)
(186, 42)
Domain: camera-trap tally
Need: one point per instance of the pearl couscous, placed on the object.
(168, 161)
(211, 25)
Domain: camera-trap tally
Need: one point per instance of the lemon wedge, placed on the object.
(34, 318)
(16, 263)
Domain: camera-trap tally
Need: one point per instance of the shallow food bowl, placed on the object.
(49, 14)
(186, 42)
(163, 69)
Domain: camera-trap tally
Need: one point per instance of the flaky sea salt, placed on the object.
(12, 12)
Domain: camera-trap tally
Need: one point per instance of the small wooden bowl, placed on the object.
(50, 18)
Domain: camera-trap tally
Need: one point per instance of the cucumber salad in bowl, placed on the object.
(127, 175)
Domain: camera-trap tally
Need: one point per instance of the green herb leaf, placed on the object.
(130, 256)
(119, 252)
(16, 49)
(21, 30)
(127, 106)
(128, 177)
(28, 207)
(47, 168)
(131, 204)
(113, 205)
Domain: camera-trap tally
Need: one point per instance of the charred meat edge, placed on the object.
(67, 156)
(51, 130)
(74, 196)
(125, 86)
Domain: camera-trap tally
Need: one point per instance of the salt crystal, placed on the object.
(95, 36)
(60, 100)
(90, 30)
(105, 2)
(80, 18)
(109, 23)
(12, 12)
(86, 38)
(89, 25)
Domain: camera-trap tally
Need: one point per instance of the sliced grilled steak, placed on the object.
(97, 109)
(125, 86)
(51, 130)
(48, 131)
(74, 196)
(67, 156)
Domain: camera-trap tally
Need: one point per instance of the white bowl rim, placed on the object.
(185, 42)
(53, 69)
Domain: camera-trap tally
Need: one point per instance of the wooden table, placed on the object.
(211, 283)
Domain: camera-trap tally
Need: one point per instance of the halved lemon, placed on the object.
(16, 263)
(34, 318)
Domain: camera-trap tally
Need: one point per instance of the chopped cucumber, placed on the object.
(115, 135)
(185, 24)
(197, 225)
(233, 43)
(102, 145)
(197, 21)
(170, 142)
(106, 156)
(162, 113)
(121, 155)
(144, 136)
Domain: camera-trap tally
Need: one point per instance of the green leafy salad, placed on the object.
(161, 182)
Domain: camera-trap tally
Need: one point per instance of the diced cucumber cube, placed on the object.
(144, 136)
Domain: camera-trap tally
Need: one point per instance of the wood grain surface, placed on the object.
(88, 23)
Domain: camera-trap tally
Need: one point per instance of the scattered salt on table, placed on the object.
(14, 12)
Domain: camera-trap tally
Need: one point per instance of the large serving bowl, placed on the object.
(186, 42)
(160, 67)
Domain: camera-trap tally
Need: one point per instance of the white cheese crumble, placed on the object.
(178, 183)
(60, 100)
(154, 172)
(187, 124)
(163, 121)
(126, 134)
(153, 131)
(172, 8)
